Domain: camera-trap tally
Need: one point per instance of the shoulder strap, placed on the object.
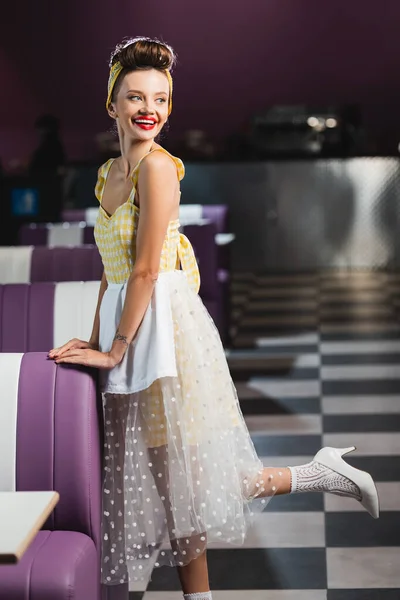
(101, 179)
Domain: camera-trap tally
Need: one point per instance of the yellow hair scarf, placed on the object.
(116, 70)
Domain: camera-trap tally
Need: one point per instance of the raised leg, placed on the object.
(327, 472)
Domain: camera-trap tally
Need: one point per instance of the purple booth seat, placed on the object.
(81, 263)
(31, 234)
(56, 234)
(214, 291)
(88, 215)
(217, 214)
(26, 317)
(24, 264)
(72, 215)
(56, 446)
(35, 317)
(88, 235)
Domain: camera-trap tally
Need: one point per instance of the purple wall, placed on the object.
(233, 60)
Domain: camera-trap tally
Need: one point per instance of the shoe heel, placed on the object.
(345, 451)
(332, 458)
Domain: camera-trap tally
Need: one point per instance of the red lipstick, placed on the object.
(146, 123)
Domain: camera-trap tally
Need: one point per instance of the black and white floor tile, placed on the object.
(316, 361)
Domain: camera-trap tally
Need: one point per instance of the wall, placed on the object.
(306, 216)
(234, 59)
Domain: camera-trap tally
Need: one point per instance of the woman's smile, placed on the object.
(146, 123)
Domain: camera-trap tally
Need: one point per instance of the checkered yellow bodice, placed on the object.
(115, 235)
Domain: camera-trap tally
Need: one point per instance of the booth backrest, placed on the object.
(82, 263)
(89, 215)
(189, 214)
(56, 234)
(217, 214)
(50, 437)
(202, 238)
(72, 215)
(25, 264)
(35, 317)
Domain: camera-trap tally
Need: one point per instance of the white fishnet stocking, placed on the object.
(314, 477)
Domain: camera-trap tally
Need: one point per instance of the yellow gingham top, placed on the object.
(115, 235)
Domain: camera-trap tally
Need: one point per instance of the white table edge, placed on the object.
(9, 559)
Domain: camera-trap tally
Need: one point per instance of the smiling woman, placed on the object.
(180, 468)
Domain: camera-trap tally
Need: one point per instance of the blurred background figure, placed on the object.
(49, 155)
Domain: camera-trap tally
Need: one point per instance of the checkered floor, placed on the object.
(316, 361)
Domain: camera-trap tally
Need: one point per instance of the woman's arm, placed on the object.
(93, 343)
(94, 338)
(158, 184)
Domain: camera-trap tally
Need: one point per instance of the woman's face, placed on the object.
(142, 104)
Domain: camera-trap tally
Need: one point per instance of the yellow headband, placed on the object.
(116, 70)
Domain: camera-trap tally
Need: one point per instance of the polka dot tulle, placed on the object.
(180, 468)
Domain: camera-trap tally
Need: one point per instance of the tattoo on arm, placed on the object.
(121, 338)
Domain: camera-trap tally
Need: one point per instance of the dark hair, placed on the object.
(141, 53)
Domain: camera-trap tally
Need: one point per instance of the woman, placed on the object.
(180, 469)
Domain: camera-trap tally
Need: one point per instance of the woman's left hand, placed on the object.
(89, 358)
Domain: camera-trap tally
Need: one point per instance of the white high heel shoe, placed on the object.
(332, 458)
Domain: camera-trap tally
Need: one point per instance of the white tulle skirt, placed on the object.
(180, 468)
